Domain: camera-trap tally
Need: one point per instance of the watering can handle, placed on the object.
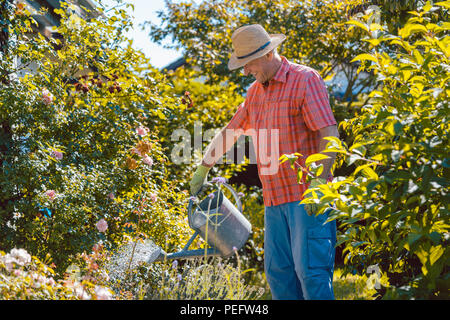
(233, 192)
(235, 195)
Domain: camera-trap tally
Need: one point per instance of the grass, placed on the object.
(352, 287)
(215, 279)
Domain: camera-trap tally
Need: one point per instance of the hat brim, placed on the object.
(275, 41)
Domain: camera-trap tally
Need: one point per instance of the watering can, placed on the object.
(217, 221)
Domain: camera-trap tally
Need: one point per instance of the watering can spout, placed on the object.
(188, 254)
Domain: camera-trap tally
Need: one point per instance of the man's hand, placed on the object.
(311, 208)
(198, 179)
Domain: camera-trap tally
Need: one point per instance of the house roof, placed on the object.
(86, 9)
(175, 65)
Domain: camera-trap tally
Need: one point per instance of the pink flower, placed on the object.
(21, 255)
(135, 150)
(17, 272)
(51, 281)
(219, 180)
(47, 97)
(58, 155)
(147, 160)
(153, 197)
(80, 292)
(51, 194)
(97, 247)
(102, 225)
(111, 196)
(9, 262)
(142, 131)
(103, 293)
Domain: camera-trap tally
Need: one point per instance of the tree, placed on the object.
(315, 30)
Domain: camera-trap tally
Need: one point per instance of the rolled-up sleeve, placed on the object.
(316, 108)
(241, 119)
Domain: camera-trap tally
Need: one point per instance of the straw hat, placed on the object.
(251, 42)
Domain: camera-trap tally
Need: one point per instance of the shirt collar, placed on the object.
(282, 72)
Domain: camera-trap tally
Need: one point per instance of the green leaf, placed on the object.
(367, 171)
(370, 173)
(394, 127)
(363, 57)
(359, 149)
(315, 157)
(358, 24)
(412, 238)
(299, 175)
(336, 140)
(444, 4)
(411, 28)
(352, 158)
(436, 253)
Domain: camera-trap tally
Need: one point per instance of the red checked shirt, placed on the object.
(283, 118)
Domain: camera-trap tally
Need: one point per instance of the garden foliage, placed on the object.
(394, 206)
(315, 31)
(77, 144)
(87, 145)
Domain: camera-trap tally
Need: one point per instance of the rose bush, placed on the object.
(77, 158)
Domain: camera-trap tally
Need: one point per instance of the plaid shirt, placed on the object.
(296, 103)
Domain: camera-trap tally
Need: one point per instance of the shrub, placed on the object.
(393, 207)
(25, 277)
(75, 148)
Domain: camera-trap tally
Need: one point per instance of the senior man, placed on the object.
(290, 101)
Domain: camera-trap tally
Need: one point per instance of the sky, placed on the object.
(145, 10)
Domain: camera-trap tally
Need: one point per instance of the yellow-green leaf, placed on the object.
(435, 254)
(358, 24)
(370, 173)
(315, 157)
(363, 57)
(445, 4)
(411, 28)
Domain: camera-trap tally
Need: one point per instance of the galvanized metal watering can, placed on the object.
(217, 221)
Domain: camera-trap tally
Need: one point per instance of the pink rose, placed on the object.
(103, 293)
(18, 272)
(142, 131)
(47, 97)
(147, 160)
(80, 292)
(102, 225)
(58, 155)
(21, 255)
(51, 194)
(153, 197)
(111, 195)
(51, 281)
(135, 150)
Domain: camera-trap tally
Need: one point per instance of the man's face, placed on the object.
(259, 69)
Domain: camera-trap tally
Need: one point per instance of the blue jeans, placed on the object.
(299, 253)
